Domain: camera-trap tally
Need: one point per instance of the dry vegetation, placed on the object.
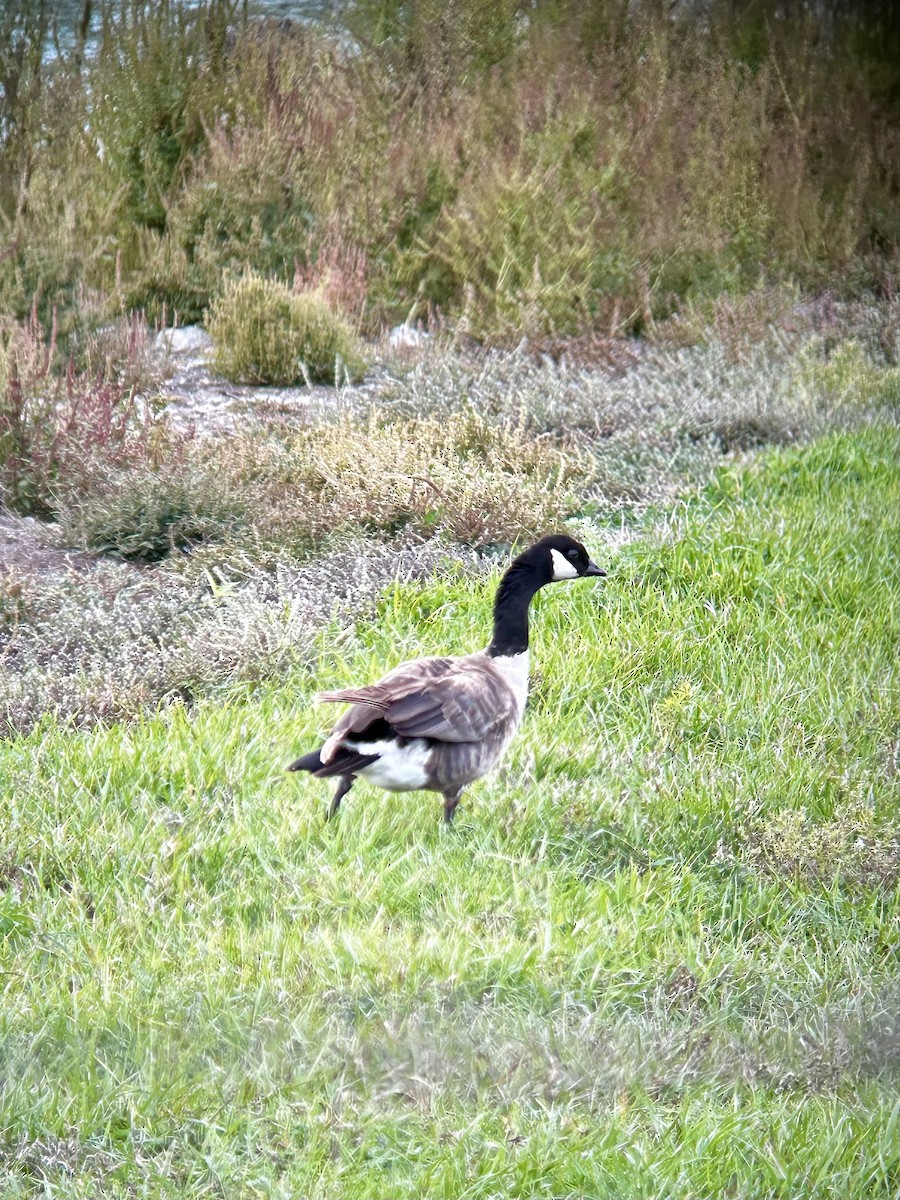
(547, 170)
(453, 451)
(107, 643)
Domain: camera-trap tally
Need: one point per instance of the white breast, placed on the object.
(513, 668)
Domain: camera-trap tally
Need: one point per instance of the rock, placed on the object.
(187, 339)
(407, 337)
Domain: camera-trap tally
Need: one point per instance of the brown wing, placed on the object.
(448, 699)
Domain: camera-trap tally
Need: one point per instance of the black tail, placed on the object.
(345, 762)
(309, 762)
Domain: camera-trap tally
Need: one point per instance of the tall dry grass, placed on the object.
(542, 170)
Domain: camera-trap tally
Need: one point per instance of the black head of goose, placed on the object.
(440, 723)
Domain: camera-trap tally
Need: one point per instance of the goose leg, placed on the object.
(345, 783)
(451, 799)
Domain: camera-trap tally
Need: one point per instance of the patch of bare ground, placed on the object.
(27, 548)
(195, 398)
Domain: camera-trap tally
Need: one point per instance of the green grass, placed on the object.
(610, 978)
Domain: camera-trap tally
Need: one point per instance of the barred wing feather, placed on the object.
(447, 699)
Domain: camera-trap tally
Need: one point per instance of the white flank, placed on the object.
(399, 768)
(562, 568)
(513, 668)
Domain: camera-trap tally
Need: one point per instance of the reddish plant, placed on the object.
(56, 429)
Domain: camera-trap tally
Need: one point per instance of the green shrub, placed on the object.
(263, 332)
(243, 207)
(146, 512)
(158, 81)
(516, 255)
(168, 287)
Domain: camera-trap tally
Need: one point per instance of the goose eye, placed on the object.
(572, 554)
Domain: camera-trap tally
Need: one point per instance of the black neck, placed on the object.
(514, 595)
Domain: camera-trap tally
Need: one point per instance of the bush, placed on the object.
(518, 256)
(263, 332)
(463, 477)
(146, 512)
(242, 208)
(168, 288)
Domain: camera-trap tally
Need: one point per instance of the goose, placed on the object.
(438, 724)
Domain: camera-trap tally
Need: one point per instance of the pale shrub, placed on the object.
(476, 481)
(106, 643)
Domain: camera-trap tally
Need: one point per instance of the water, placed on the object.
(66, 16)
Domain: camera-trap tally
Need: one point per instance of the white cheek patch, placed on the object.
(562, 568)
